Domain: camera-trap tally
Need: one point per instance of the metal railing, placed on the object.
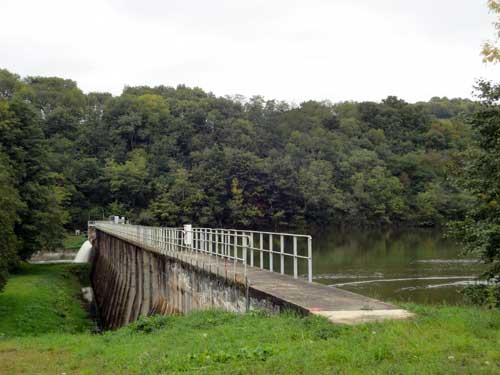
(286, 253)
(227, 252)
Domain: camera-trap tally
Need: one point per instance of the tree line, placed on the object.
(167, 156)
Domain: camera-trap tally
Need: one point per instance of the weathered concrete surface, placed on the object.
(363, 316)
(53, 257)
(339, 306)
(131, 280)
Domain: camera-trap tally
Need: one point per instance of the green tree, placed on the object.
(241, 213)
(128, 181)
(321, 198)
(42, 217)
(379, 196)
(480, 230)
(180, 203)
(9, 83)
(10, 204)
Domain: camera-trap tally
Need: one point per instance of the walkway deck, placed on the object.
(339, 306)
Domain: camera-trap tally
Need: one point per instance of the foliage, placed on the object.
(439, 340)
(9, 206)
(40, 217)
(491, 49)
(480, 230)
(31, 200)
(149, 324)
(163, 155)
(483, 295)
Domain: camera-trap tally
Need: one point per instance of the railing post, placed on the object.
(216, 243)
(271, 253)
(309, 259)
(245, 255)
(251, 249)
(203, 240)
(295, 260)
(261, 245)
(227, 248)
(205, 237)
(235, 259)
(235, 247)
(282, 256)
(210, 242)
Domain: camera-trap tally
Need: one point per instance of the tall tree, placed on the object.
(10, 205)
(41, 219)
(480, 230)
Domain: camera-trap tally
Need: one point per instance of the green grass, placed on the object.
(73, 242)
(440, 340)
(40, 299)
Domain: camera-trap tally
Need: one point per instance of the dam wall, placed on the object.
(129, 282)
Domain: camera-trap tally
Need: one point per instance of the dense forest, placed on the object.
(168, 156)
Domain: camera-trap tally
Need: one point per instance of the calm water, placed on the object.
(411, 264)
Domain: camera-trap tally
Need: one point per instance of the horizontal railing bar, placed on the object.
(257, 231)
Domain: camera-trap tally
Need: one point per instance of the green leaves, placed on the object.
(33, 189)
(10, 204)
(480, 230)
(165, 155)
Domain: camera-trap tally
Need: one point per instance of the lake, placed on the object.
(416, 265)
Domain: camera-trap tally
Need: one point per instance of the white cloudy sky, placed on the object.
(285, 49)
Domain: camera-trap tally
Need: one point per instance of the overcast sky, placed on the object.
(292, 50)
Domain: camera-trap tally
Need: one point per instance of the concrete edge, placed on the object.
(57, 261)
(363, 316)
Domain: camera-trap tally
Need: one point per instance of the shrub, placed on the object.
(483, 295)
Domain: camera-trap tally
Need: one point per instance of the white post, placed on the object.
(309, 259)
(188, 234)
(271, 253)
(282, 257)
(295, 260)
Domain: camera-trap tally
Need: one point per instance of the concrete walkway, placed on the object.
(338, 305)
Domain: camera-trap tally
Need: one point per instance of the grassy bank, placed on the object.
(42, 299)
(441, 340)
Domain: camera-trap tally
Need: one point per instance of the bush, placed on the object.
(483, 295)
(149, 324)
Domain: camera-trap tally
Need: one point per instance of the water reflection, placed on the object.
(411, 264)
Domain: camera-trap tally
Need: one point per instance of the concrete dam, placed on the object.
(140, 271)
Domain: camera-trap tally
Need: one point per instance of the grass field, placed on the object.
(51, 336)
